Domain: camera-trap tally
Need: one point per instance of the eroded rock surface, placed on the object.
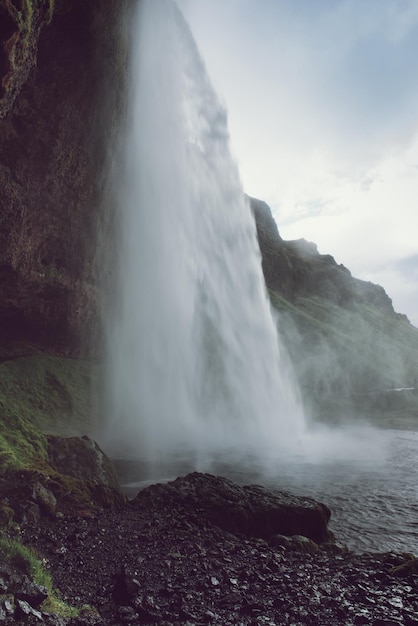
(62, 74)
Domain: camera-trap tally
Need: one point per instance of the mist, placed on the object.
(194, 362)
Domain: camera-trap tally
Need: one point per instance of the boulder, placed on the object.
(82, 458)
(78, 479)
(252, 510)
(44, 498)
(24, 610)
(53, 160)
(296, 543)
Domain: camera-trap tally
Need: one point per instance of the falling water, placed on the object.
(195, 363)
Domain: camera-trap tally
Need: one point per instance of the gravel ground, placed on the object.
(169, 565)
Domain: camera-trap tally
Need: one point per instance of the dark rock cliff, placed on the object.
(61, 68)
(295, 269)
(347, 343)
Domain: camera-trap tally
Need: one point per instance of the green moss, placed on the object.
(39, 395)
(52, 273)
(20, 442)
(25, 560)
(51, 9)
(6, 515)
(24, 18)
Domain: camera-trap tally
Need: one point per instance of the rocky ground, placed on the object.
(169, 557)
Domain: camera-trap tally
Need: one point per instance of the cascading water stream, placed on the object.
(194, 362)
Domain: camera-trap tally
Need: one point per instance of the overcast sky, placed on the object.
(322, 100)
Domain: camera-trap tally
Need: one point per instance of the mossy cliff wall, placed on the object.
(62, 73)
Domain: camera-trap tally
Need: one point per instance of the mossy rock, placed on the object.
(81, 458)
(55, 494)
(24, 572)
(6, 515)
(42, 395)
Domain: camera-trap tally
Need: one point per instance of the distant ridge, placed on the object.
(343, 334)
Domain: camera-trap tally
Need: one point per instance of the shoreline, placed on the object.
(160, 559)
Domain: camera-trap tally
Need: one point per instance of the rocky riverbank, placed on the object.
(201, 550)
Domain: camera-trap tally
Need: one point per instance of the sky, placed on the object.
(322, 101)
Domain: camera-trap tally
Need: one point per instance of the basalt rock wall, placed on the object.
(62, 70)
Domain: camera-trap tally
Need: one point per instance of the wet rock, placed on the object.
(82, 457)
(334, 547)
(298, 543)
(252, 510)
(106, 610)
(407, 568)
(177, 567)
(6, 515)
(7, 606)
(24, 610)
(146, 616)
(44, 498)
(50, 293)
(32, 593)
(126, 589)
(30, 513)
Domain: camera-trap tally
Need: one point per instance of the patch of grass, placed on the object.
(42, 395)
(25, 560)
(20, 442)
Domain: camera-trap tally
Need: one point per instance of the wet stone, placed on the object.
(218, 578)
(125, 589)
(23, 610)
(32, 593)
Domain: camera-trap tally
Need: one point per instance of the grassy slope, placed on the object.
(42, 394)
(341, 356)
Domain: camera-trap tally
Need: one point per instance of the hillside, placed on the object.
(349, 348)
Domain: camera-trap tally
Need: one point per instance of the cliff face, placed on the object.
(295, 269)
(348, 345)
(62, 73)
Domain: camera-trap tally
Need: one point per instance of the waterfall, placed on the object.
(195, 364)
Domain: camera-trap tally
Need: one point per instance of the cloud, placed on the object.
(322, 99)
(369, 223)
